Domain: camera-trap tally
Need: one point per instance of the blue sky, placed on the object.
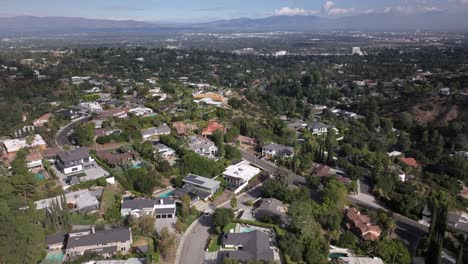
(204, 10)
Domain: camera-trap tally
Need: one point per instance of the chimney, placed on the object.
(93, 231)
(161, 201)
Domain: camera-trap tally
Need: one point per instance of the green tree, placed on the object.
(233, 202)
(223, 216)
(85, 134)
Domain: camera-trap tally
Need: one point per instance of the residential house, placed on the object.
(116, 112)
(319, 128)
(56, 241)
(91, 107)
(41, 121)
(34, 161)
(74, 161)
(137, 207)
(249, 246)
(197, 187)
(82, 201)
(165, 208)
(163, 150)
(106, 243)
(361, 225)
(273, 208)
(276, 150)
(151, 132)
(410, 162)
(240, 174)
(458, 221)
(141, 111)
(183, 129)
(204, 147)
(212, 127)
(247, 141)
(69, 113)
(116, 159)
(323, 171)
(14, 145)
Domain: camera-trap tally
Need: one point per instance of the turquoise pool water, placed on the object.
(166, 195)
(40, 176)
(246, 230)
(337, 255)
(55, 257)
(137, 166)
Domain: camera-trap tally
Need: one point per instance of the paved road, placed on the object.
(62, 139)
(193, 249)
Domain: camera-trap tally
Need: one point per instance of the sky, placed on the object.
(207, 10)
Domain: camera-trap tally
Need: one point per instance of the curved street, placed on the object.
(61, 138)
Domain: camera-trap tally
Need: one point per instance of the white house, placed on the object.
(240, 173)
(137, 207)
(204, 147)
(141, 111)
(159, 208)
(163, 129)
(15, 145)
(163, 150)
(92, 107)
(319, 128)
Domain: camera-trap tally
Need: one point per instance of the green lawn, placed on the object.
(214, 244)
(78, 219)
(108, 197)
(228, 227)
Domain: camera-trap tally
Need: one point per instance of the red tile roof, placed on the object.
(410, 162)
(362, 225)
(212, 127)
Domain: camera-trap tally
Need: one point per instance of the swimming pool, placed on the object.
(337, 255)
(246, 230)
(166, 195)
(137, 166)
(55, 257)
(40, 176)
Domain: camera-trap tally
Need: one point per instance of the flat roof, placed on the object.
(242, 170)
(201, 181)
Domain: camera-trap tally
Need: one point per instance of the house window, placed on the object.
(74, 169)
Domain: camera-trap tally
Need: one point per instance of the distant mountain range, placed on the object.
(67, 25)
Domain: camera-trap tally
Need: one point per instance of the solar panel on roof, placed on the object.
(195, 180)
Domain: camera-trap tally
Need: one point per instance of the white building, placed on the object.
(74, 161)
(15, 145)
(93, 107)
(240, 173)
(141, 111)
(159, 208)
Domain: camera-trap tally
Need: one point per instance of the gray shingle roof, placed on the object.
(255, 246)
(278, 147)
(161, 211)
(139, 203)
(73, 155)
(100, 237)
(55, 238)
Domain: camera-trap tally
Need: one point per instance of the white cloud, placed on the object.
(330, 8)
(288, 11)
